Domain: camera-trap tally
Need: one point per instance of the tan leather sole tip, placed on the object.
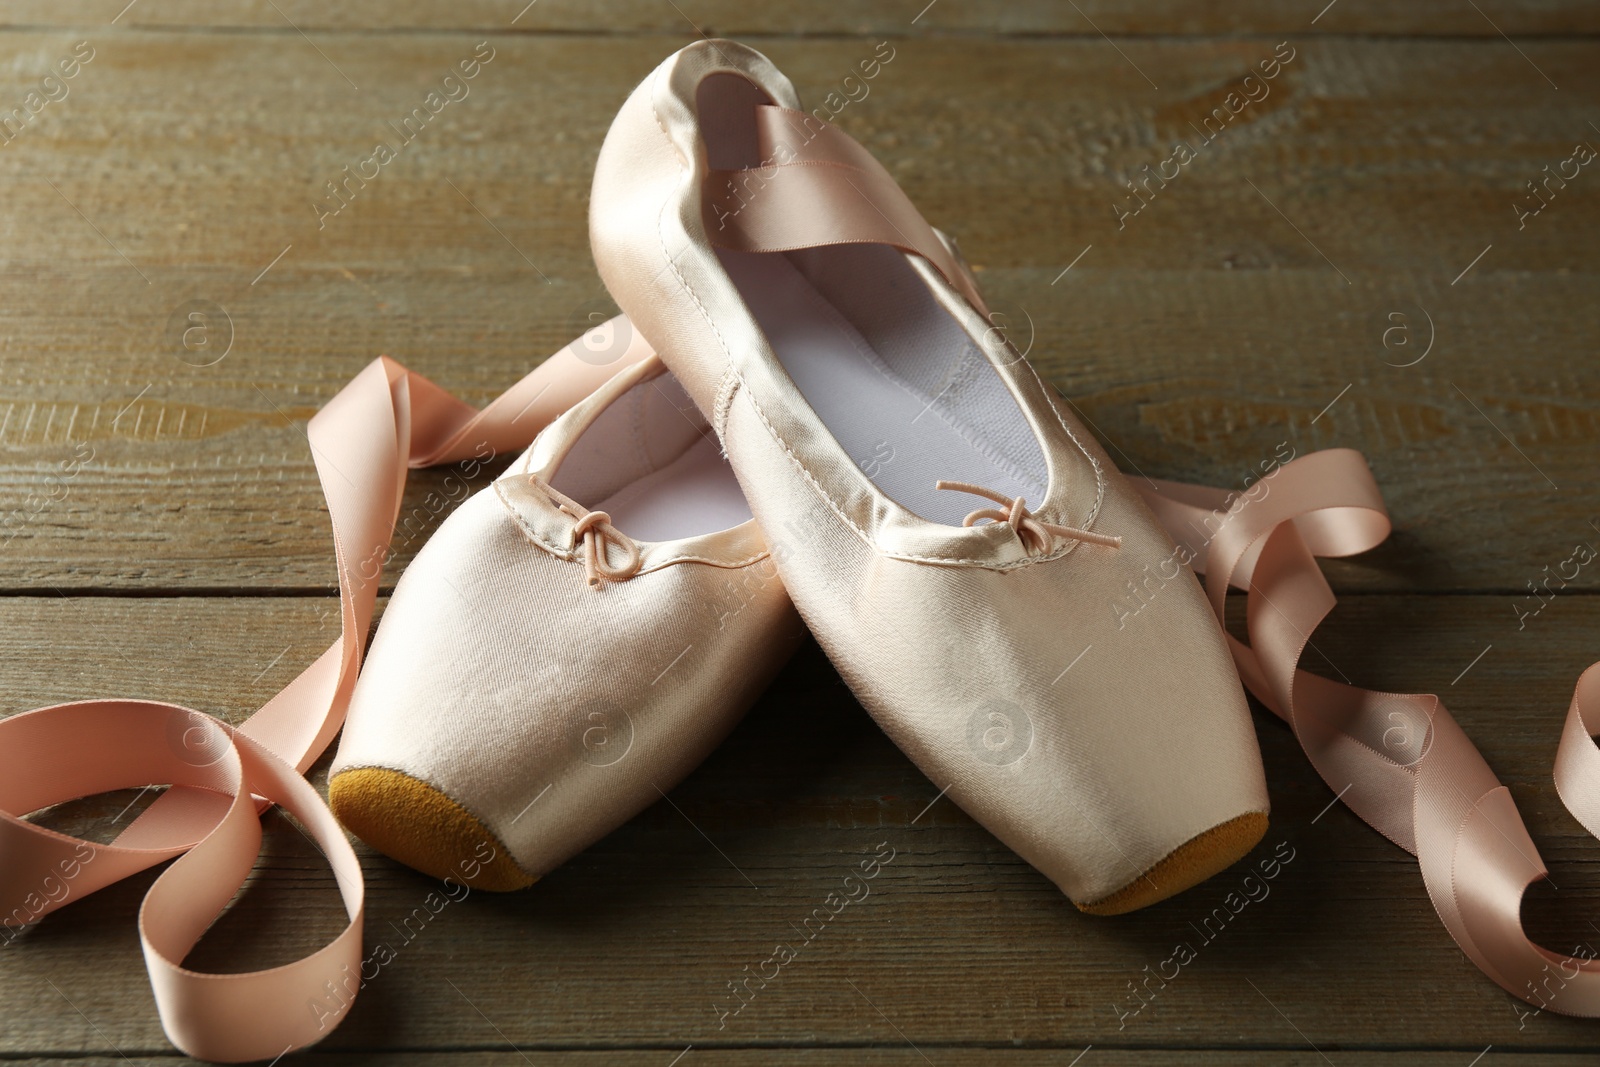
(1189, 864)
(409, 820)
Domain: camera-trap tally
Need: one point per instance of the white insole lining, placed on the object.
(694, 494)
(904, 441)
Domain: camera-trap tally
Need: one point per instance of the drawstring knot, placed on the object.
(595, 531)
(1035, 534)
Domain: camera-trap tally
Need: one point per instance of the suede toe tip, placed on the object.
(417, 824)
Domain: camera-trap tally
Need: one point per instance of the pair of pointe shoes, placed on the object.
(831, 425)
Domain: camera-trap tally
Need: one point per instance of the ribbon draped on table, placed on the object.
(1399, 761)
(386, 420)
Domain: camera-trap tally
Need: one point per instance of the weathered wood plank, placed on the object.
(1197, 336)
(805, 17)
(959, 943)
(906, 1056)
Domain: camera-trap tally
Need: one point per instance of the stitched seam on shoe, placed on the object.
(727, 565)
(570, 555)
(1099, 473)
(640, 444)
(719, 410)
(732, 368)
(966, 370)
(799, 463)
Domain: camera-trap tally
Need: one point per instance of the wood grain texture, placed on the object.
(1266, 295)
(919, 1056)
(810, 17)
(1270, 295)
(960, 945)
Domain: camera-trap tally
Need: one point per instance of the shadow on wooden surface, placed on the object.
(960, 944)
(1344, 265)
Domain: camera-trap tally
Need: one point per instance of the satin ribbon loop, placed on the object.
(1577, 772)
(1399, 761)
(816, 186)
(363, 441)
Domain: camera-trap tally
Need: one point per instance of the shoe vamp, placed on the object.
(546, 707)
(1083, 708)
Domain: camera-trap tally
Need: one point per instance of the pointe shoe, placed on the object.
(571, 642)
(959, 544)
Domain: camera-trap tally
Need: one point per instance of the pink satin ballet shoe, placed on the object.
(569, 644)
(959, 544)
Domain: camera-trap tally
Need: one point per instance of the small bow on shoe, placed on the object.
(1035, 534)
(595, 530)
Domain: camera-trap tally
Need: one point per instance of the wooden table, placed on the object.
(1344, 264)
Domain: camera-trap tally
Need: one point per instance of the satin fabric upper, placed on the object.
(551, 710)
(1091, 743)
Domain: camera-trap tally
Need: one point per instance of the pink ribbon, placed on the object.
(1399, 761)
(817, 186)
(385, 420)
